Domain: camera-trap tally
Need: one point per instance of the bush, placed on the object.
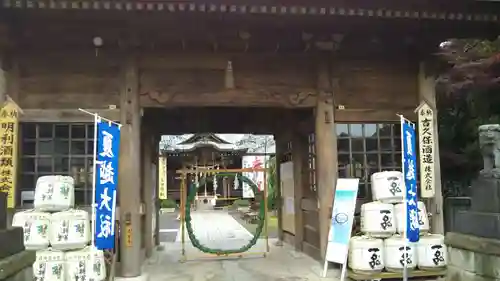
(241, 203)
(168, 203)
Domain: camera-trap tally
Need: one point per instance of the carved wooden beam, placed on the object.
(287, 97)
(67, 115)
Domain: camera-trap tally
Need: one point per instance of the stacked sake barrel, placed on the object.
(383, 223)
(59, 234)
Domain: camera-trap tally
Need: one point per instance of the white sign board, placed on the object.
(427, 153)
(341, 223)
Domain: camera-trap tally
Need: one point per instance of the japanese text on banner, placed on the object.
(9, 127)
(162, 177)
(108, 147)
(427, 155)
(410, 177)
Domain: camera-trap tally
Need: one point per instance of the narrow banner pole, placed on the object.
(94, 173)
(405, 234)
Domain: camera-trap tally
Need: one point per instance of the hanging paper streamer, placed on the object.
(236, 183)
(215, 183)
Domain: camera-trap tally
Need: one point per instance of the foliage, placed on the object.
(241, 203)
(257, 143)
(474, 65)
(272, 194)
(466, 98)
(168, 203)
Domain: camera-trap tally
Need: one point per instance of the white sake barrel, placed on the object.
(395, 256)
(98, 263)
(423, 219)
(432, 254)
(377, 219)
(35, 228)
(366, 254)
(388, 186)
(49, 265)
(70, 230)
(85, 264)
(54, 193)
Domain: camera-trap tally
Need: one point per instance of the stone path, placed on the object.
(217, 229)
(281, 264)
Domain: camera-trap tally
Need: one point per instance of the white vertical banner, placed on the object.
(162, 177)
(254, 162)
(341, 224)
(426, 144)
(247, 163)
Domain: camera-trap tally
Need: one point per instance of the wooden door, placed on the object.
(287, 190)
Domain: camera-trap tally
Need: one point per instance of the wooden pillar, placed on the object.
(9, 86)
(148, 191)
(427, 93)
(224, 187)
(156, 152)
(299, 158)
(326, 152)
(13, 78)
(280, 143)
(129, 189)
(3, 80)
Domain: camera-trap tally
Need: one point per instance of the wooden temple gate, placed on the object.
(296, 70)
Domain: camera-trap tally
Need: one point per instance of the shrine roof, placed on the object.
(203, 140)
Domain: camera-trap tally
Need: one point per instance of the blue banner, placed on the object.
(106, 173)
(410, 175)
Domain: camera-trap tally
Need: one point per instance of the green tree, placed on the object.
(467, 97)
(272, 195)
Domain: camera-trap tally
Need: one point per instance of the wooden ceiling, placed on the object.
(215, 119)
(238, 25)
(360, 36)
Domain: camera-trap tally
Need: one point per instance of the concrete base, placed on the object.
(18, 266)
(143, 277)
(480, 224)
(472, 258)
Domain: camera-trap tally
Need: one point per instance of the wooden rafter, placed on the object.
(263, 9)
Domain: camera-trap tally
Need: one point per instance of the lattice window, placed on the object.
(364, 149)
(58, 148)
